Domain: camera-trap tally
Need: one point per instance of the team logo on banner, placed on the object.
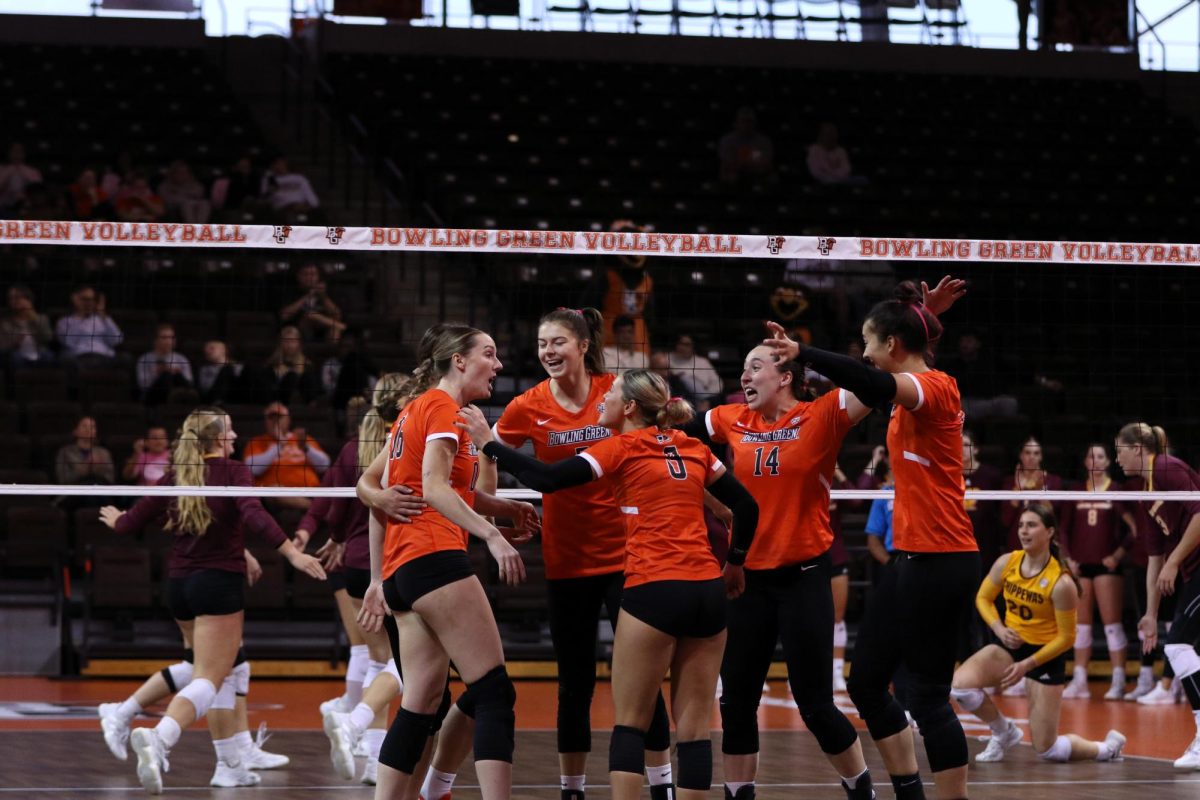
(282, 232)
(825, 244)
(334, 235)
(775, 244)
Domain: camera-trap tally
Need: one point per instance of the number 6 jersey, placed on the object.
(1028, 607)
(658, 477)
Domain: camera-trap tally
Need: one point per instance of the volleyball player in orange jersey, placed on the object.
(785, 452)
(422, 572)
(914, 615)
(673, 605)
(583, 544)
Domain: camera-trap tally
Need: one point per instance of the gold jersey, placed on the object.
(1029, 608)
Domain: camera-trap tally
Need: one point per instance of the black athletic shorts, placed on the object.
(415, 579)
(210, 593)
(1052, 673)
(1096, 570)
(336, 580)
(357, 582)
(683, 609)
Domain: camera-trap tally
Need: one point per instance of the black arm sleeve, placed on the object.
(539, 476)
(697, 428)
(730, 491)
(872, 386)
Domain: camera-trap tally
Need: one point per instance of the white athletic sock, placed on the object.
(733, 786)
(361, 717)
(356, 672)
(373, 740)
(852, 782)
(168, 732)
(572, 783)
(1118, 675)
(1079, 675)
(244, 740)
(1146, 674)
(437, 784)
(1104, 753)
(228, 751)
(130, 708)
(999, 725)
(660, 775)
(839, 666)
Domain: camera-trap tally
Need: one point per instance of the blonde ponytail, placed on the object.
(391, 393)
(653, 398)
(199, 434)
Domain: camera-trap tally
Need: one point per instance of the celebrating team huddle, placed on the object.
(626, 471)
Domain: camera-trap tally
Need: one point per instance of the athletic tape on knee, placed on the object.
(658, 735)
(945, 742)
(1060, 751)
(178, 675)
(839, 634)
(226, 697)
(834, 733)
(1114, 636)
(1083, 637)
(360, 659)
(200, 693)
(876, 706)
(373, 669)
(1184, 659)
(405, 741)
(739, 725)
(695, 765)
(968, 699)
(241, 678)
(494, 697)
(574, 718)
(627, 750)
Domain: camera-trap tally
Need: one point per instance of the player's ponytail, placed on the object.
(906, 318)
(587, 325)
(439, 344)
(200, 434)
(390, 394)
(653, 398)
(1045, 512)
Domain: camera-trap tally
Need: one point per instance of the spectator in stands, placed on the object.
(15, 177)
(135, 201)
(184, 197)
(238, 190)
(660, 362)
(150, 459)
(84, 461)
(162, 369)
(626, 352)
(828, 162)
(285, 457)
(982, 379)
(88, 199)
(217, 377)
(747, 155)
(313, 312)
(696, 371)
(88, 335)
(350, 371)
(294, 376)
(24, 333)
(117, 173)
(287, 191)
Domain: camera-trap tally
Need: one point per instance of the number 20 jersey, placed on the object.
(1028, 608)
(788, 467)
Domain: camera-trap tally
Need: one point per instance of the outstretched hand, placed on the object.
(781, 346)
(941, 297)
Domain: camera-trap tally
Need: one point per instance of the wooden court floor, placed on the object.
(50, 747)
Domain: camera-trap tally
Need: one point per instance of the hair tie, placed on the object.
(916, 307)
(572, 310)
(675, 400)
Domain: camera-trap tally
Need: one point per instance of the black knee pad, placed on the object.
(493, 698)
(658, 735)
(574, 719)
(439, 716)
(240, 658)
(833, 731)
(739, 726)
(695, 765)
(405, 740)
(189, 655)
(166, 673)
(877, 708)
(627, 750)
(945, 742)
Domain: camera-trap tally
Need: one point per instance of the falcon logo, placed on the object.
(825, 244)
(282, 232)
(662, 438)
(334, 235)
(775, 244)
(600, 409)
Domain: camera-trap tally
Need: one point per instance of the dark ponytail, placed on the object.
(906, 318)
(587, 325)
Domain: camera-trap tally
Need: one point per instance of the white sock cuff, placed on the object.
(200, 693)
(228, 751)
(244, 739)
(360, 660)
(1059, 751)
(572, 783)
(168, 730)
(839, 634)
(657, 776)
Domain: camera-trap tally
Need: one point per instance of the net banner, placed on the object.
(704, 245)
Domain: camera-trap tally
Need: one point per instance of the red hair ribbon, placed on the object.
(675, 400)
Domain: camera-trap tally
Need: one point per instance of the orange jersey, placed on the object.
(583, 532)
(430, 417)
(291, 468)
(788, 467)
(925, 451)
(659, 478)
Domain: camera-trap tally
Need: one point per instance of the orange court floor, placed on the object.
(51, 738)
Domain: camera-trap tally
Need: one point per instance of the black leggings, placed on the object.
(913, 618)
(1135, 581)
(575, 605)
(794, 603)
